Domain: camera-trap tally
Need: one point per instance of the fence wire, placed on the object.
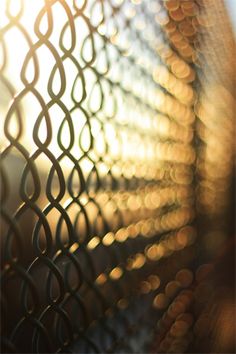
(97, 162)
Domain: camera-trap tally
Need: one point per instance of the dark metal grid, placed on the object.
(50, 295)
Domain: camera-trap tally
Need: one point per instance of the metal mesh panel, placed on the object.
(97, 160)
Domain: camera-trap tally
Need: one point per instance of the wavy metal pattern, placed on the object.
(97, 169)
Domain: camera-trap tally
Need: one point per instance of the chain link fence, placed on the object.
(97, 169)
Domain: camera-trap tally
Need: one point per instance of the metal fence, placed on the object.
(97, 195)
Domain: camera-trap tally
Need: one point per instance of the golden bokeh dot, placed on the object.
(177, 15)
(184, 277)
(161, 301)
(176, 308)
(172, 288)
(186, 297)
(155, 281)
(179, 328)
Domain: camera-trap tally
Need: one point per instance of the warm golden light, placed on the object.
(116, 273)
